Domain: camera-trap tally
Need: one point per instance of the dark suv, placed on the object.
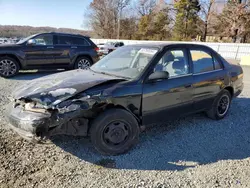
(47, 50)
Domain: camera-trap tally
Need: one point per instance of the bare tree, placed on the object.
(207, 10)
(102, 17)
(234, 21)
(145, 7)
(105, 16)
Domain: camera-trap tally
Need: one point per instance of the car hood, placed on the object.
(8, 45)
(53, 89)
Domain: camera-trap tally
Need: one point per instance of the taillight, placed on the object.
(96, 49)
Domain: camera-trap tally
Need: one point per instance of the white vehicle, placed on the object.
(106, 48)
(3, 41)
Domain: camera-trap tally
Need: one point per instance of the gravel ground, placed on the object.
(189, 152)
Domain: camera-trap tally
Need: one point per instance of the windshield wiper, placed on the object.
(113, 75)
(105, 73)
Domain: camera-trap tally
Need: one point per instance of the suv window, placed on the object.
(44, 39)
(68, 40)
(174, 62)
(204, 62)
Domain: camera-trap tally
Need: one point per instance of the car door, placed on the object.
(169, 98)
(42, 52)
(63, 48)
(209, 77)
(69, 47)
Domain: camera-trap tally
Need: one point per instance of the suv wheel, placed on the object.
(114, 132)
(83, 63)
(8, 67)
(220, 106)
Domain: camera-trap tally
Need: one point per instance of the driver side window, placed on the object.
(174, 62)
(44, 40)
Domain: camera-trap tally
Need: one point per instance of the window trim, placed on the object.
(180, 76)
(59, 35)
(217, 70)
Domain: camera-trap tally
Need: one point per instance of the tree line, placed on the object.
(12, 31)
(181, 20)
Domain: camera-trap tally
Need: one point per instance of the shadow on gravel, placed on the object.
(179, 144)
(30, 75)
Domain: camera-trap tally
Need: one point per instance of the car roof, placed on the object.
(67, 34)
(168, 44)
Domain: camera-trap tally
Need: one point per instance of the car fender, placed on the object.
(18, 55)
(79, 54)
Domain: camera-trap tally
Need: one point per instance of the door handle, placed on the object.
(50, 47)
(74, 47)
(188, 85)
(222, 79)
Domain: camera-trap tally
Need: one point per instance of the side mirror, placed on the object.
(158, 75)
(31, 42)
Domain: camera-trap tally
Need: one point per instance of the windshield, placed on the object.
(25, 39)
(128, 62)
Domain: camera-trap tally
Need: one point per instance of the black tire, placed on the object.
(9, 67)
(111, 121)
(82, 60)
(217, 112)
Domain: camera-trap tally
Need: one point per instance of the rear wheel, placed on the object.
(9, 67)
(83, 63)
(114, 132)
(220, 106)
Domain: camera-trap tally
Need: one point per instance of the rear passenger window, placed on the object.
(67, 40)
(79, 41)
(202, 61)
(217, 64)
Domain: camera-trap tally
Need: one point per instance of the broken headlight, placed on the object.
(35, 107)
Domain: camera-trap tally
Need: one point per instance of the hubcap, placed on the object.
(223, 105)
(116, 133)
(83, 64)
(7, 67)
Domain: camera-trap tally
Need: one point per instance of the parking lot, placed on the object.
(189, 152)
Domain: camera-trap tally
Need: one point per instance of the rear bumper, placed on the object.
(25, 123)
(239, 90)
(103, 52)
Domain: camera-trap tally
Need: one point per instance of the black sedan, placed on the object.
(129, 89)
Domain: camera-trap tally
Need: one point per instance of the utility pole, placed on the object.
(121, 5)
(119, 23)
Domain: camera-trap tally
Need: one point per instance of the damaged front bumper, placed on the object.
(35, 126)
(26, 123)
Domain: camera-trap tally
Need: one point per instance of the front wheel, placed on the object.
(114, 132)
(83, 63)
(8, 67)
(220, 106)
